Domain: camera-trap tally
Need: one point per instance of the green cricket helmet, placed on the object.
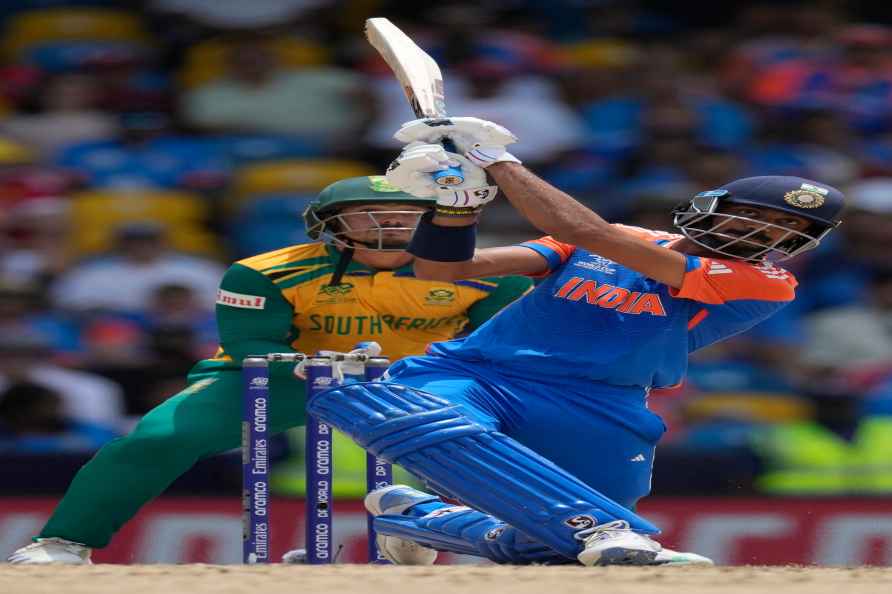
(324, 222)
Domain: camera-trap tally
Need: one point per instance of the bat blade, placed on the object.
(416, 71)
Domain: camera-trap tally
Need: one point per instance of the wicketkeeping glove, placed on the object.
(411, 171)
(482, 142)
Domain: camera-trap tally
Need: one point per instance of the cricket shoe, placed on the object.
(393, 501)
(52, 550)
(614, 543)
(670, 557)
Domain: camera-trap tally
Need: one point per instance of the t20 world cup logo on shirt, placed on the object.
(335, 293)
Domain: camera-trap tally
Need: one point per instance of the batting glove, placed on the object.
(480, 141)
(411, 172)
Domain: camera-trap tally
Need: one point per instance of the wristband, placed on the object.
(457, 211)
(442, 244)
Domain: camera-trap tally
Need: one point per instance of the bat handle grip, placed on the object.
(450, 176)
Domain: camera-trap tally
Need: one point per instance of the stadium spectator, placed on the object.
(175, 310)
(806, 142)
(124, 279)
(147, 154)
(869, 237)
(141, 350)
(24, 311)
(236, 14)
(775, 50)
(19, 183)
(622, 116)
(861, 81)
(66, 112)
(36, 235)
(33, 420)
(326, 104)
(853, 338)
(85, 397)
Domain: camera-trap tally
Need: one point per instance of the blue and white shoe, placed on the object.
(394, 501)
(614, 543)
(670, 557)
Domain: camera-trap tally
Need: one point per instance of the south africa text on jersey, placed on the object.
(370, 325)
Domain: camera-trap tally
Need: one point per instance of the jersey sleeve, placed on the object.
(554, 252)
(252, 315)
(716, 282)
(731, 297)
(509, 288)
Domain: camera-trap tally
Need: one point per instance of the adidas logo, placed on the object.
(718, 268)
(638, 458)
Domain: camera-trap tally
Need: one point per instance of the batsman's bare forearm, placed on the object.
(499, 261)
(548, 209)
(558, 214)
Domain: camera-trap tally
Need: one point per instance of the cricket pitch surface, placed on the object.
(460, 579)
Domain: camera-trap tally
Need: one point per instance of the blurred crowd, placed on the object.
(144, 145)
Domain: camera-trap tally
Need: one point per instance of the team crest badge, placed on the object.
(803, 199)
(440, 297)
(379, 183)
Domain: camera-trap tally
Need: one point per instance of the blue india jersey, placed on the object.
(592, 319)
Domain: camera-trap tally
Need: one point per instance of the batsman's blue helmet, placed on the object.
(701, 221)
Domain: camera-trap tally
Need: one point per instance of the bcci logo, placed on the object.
(440, 297)
(323, 381)
(803, 199)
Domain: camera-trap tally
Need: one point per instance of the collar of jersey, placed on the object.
(355, 266)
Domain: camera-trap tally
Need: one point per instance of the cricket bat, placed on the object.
(420, 78)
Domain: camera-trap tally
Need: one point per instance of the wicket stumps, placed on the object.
(378, 472)
(322, 373)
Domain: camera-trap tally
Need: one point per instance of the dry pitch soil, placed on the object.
(356, 579)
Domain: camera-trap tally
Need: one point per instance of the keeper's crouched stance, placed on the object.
(538, 420)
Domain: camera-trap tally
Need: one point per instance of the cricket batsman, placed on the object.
(538, 421)
(354, 284)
